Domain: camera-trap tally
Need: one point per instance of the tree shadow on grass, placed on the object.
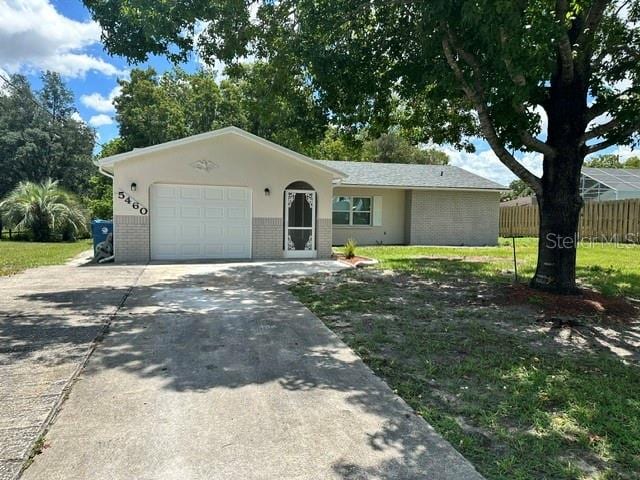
(609, 281)
(494, 382)
(444, 268)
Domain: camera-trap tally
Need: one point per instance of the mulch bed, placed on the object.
(587, 303)
(353, 260)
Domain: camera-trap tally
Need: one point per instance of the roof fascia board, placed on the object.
(407, 187)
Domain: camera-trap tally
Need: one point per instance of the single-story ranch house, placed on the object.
(228, 194)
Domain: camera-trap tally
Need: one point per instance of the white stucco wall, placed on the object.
(240, 162)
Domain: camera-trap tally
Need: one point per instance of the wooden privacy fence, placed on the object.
(615, 220)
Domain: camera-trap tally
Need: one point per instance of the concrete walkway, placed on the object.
(49, 318)
(217, 372)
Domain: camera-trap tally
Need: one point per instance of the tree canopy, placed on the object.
(393, 148)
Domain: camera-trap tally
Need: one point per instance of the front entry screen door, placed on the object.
(300, 223)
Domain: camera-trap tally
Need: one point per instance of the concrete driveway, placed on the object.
(217, 372)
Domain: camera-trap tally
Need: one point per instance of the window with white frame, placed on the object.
(352, 210)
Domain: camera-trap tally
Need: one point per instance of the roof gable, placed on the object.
(108, 162)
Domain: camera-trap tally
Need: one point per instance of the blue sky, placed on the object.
(59, 35)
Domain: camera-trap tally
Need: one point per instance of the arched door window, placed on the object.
(299, 220)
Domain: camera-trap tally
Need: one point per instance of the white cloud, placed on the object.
(34, 35)
(76, 116)
(486, 164)
(626, 152)
(100, 120)
(100, 103)
(544, 119)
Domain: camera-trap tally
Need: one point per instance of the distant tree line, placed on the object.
(41, 138)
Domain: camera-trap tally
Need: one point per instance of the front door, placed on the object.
(300, 223)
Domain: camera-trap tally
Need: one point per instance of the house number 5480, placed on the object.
(133, 203)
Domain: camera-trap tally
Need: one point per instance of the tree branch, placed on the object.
(591, 24)
(532, 142)
(594, 17)
(565, 53)
(609, 142)
(518, 78)
(525, 137)
(596, 147)
(600, 108)
(600, 130)
(486, 124)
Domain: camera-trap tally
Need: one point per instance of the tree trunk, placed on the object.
(557, 243)
(560, 201)
(40, 228)
(559, 206)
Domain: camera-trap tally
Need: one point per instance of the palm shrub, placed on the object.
(45, 209)
(350, 248)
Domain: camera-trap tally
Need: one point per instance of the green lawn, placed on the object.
(18, 256)
(520, 397)
(611, 269)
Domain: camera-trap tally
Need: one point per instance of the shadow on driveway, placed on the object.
(211, 371)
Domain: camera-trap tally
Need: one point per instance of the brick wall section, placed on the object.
(131, 238)
(268, 234)
(267, 238)
(324, 234)
(453, 218)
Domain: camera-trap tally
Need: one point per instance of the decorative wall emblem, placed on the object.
(205, 165)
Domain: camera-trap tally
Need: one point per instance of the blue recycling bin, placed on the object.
(99, 231)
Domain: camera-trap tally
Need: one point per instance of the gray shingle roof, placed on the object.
(410, 175)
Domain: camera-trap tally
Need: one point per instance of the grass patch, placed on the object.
(612, 269)
(519, 399)
(18, 256)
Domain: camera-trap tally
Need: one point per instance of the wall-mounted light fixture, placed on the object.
(133, 186)
(267, 192)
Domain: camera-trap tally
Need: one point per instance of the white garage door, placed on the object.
(196, 222)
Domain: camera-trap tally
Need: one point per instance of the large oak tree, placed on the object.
(458, 67)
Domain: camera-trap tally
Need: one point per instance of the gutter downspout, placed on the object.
(104, 172)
